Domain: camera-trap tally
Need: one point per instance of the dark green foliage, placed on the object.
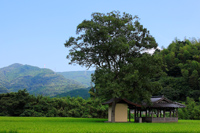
(12, 104)
(35, 80)
(174, 88)
(192, 110)
(138, 82)
(83, 92)
(182, 66)
(22, 104)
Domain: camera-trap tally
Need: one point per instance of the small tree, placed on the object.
(115, 45)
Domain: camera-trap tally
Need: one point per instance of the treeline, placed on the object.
(22, 104)
(83, 92)
(181, 67)
(181, 79)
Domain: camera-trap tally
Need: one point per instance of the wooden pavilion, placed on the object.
(161, 109)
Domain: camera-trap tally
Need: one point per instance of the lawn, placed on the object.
(63, 124)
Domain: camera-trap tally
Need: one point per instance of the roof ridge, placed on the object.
(158, 96)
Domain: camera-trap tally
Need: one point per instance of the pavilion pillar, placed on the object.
(176, 112)
(129, 115)
(149, 112)
(170, 113)
(146, 112)
(140, 113)
(158, 112)
(164, 113)
(135, 113)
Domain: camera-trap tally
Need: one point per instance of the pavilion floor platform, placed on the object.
(157, 119)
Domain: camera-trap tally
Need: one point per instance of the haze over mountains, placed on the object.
(83, 77)
(41, 81)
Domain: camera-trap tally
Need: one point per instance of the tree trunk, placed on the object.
(113, 111)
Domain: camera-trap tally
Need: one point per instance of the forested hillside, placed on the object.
(83, 77)
(35, 80)
(83, 92)
(181, 61)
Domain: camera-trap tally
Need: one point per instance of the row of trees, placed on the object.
(22, 104)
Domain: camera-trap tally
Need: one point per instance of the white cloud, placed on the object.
(151, 51)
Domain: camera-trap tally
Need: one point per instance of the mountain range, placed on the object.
(83, 77)
(41, 80)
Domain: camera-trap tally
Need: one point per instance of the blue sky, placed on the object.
(33, 32)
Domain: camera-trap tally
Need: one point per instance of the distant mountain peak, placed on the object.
(15, 65)
(36, 80)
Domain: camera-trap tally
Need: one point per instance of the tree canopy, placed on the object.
(182, 66)
(109, 41)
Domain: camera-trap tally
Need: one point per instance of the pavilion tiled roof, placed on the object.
(122, 100)
(157, 102)
(163, 102)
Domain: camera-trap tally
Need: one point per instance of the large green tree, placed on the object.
(115, 45)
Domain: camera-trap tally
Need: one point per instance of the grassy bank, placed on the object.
(61, 124)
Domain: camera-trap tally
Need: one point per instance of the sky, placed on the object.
(33, 32)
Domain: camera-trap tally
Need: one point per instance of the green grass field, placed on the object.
(83, 125)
